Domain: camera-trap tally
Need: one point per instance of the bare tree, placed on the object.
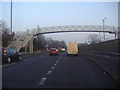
(5, 31)
(93, 38)
(39, 43)
(55, 43)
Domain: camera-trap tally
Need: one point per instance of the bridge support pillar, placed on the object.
(31, 45)
(25, 49)
(115, 36)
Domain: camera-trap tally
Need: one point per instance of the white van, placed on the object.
(72, 48)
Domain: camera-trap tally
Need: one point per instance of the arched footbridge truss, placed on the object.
(77, 28)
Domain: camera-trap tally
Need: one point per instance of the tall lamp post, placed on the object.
(11, 23)
(104, 28)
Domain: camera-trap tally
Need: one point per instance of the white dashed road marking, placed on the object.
(42, 81)
(49, 72)
(57, 62)
(52, 67)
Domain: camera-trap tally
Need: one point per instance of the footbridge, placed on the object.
(21, 41)
(77, 28)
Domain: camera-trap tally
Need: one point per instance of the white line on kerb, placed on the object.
(15, 62)
(5, 65)
(42, 81)
(8, 64)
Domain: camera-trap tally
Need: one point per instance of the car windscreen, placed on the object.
(53, 50)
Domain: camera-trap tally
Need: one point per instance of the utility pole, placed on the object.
(104, 28)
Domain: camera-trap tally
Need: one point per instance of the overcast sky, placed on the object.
(27, 15)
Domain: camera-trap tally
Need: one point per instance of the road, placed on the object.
(62, 71)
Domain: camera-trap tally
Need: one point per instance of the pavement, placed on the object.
(109, 65)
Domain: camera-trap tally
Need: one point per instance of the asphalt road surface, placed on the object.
(62, 71)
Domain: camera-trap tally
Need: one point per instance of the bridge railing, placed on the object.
(28, 37)
(19, 42)
(83, 28)
(14, 42)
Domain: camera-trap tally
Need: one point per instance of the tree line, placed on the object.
(6, 35)
(40, 42)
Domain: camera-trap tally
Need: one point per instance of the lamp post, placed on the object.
(11, 23)
(119, 32)
(104, 28)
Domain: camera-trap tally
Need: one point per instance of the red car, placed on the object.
(53, 51)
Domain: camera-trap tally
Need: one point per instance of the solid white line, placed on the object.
(59, 58)
(8, 64)
(42, 81)
(5, 65)
(28, 59)
(15, 62)
(40, 55)
(57, 61)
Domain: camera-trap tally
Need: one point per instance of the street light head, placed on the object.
(105, 18)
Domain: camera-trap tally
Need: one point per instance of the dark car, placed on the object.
(10, 54)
